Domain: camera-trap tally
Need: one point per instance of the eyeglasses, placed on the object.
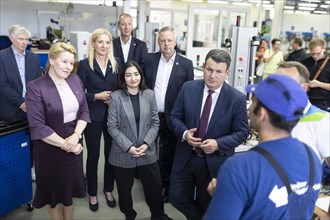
(317, 54)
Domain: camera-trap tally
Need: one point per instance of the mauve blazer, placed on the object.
(122, 128)
(44, 106)
(11, 87)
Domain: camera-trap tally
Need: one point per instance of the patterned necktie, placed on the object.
(204, 121)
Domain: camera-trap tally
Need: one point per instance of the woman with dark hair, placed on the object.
(133, 125)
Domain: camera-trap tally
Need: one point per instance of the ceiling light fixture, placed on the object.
(265, 6)
(306, 9)
(218, 2)
(320, 12)
(192, 1)
(307, 5)
(317, 1)
(288, 7)
(268, 6)
(242, 4)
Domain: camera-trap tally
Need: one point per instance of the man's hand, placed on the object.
(314, 83)
(189, 137)
(211, 186)
(209, 146)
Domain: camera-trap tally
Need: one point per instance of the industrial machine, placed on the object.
(289, 37)
(243, 47)
(151, 36)
(307, 36)
(79, 39)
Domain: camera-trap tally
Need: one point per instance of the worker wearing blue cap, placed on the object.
(278, 179)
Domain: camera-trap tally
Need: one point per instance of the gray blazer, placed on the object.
(122, 128)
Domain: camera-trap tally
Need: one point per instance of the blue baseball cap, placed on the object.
(282, 95)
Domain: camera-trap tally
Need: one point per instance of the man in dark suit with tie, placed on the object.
(166, 73)
(209, 118)
(126, 47)
(18, 66)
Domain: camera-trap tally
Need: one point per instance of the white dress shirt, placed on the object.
(162, 79)
(125, 48)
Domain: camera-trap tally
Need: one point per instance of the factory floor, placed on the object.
(82, 210)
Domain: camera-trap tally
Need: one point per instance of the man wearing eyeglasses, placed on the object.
(319, 88)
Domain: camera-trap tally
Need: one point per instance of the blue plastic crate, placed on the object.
(15, 168)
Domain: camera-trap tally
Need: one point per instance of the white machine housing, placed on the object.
(151, 36)
(79, 39)
(243, 53)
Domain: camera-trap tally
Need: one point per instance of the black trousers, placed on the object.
(167, 145)
(188, 190)
(152, 187)
(92, 133)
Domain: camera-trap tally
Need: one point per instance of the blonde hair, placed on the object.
(91, 52)
(316, 42)
(58, 48)
(17, 29)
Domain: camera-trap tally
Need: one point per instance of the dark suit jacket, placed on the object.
(122, 128)
(11, 87)
(137, 52)
(95, 82)
(45, 110)
(297, 55)
(228, 124)
(182, 71)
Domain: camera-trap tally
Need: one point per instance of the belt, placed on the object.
(193, 152)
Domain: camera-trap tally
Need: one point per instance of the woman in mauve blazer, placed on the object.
(58, 113)
(133, 125)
